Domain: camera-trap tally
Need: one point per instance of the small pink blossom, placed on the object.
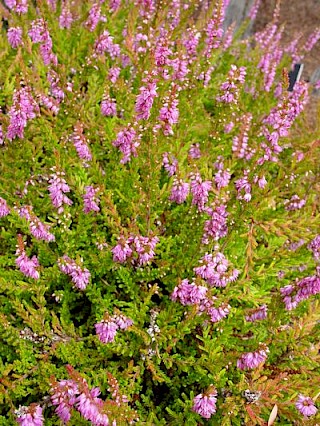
(15, 36)
(79, 276)
(108, 107)
(4, 209)
(90, 200)
(306, 406)
(200, 191)
(189, 294)
(29, 416)
(257, 314)
(29, 267)
(179, 192)
(170, 165)
(205, 404)
(57, 188)
(251, 360)
(127, 142)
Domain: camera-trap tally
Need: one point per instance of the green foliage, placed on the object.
(48, 323)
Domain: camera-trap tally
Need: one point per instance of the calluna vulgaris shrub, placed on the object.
(159, 213)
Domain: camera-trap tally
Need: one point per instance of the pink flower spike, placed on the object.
(29, 267)
(251, 360)
(4, 209)
(106, 330)
(90, 200)
(205, 404)
(15, 37)
(30, 416)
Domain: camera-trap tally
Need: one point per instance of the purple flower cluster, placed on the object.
(179, 192)
(222, 177)
(114, 5)
(94, 16)
(29, 416)
(280, 119)
(15, 36)
(314, 246)
(254, 9)
(79, 276)
(108, 107)
(230, 88)
(251, 360)
(39, 33)
(301, 290)
(4, 209)
(55, 89)
(216, 314)
(64, 398)
(65, 18)
(69, 394)
(19, 6)
(145, 99)
(295, 203)
(57, 188)
(29, 267)
(194, 294)
(113, 74)
(139, 249)
(108, 327)
(313, 38)
(81, 144)
(214, 270)
(200, 191)
(90, 200)
(189, 294)
(216, 227)
(169, 115)
(170, 165)
(38, 229)
(24, 108)
(214, 30)
(272, 55)
(127, 142)
(180, 69)
(205, 404)
(194, 151)
(243, 187)
(240, 143)
(50, 103)
(257, 314)
(105, 44)
(162, 55)
(190, 42)
(306, 406)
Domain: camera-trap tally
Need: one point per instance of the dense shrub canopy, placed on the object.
(159, 214)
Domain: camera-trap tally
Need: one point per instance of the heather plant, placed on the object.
(159, 212)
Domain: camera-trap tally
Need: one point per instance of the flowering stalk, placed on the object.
(29, 267)
(205, 404)
(57, 188)
(79, 276)
(38, 229)
(24, 108)
(107, 328)
(30, 416)
(90, 200)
